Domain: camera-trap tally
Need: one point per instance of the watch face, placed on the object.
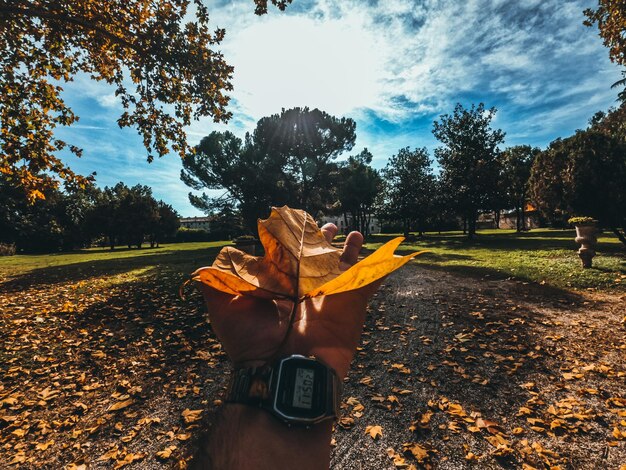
(302, 390)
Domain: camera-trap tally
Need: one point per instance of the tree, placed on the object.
(516, 165)
(175, 72)
(56, 223)
(165, 225)
(583, 175)
(611, 19)
(358, 188)
(307, 141)
(287, 160)
(252, 181)
(409, 189)
(469, 159)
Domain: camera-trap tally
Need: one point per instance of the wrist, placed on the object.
(251, 438)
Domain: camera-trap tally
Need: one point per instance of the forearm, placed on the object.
(250, 438)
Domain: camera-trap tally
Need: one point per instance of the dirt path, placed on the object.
(486, 374)
(468, 373)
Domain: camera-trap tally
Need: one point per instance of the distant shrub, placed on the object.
(7, 249)
(184, 235)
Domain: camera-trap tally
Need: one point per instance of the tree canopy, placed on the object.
(165, 71)
(409, 188)
(583, 175)
(289, 159)
(516, 163)
(358, 189)
(610, 17)
(469, 159)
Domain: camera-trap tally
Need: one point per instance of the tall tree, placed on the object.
(516, 165)
(358, 188)
(307, 141)
(469, 159)
(583, 175)
(250, 180)
(611, 19)
(409, 189)
(175, 71)
(289, 159)
(165, 224)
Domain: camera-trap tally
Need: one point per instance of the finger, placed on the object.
(329, 231)
(351, 249)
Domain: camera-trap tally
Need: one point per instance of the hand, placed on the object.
(328, 327)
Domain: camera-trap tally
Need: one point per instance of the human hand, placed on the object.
(252, 329)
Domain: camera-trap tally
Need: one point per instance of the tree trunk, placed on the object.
(406, 228)
(523, 218)
(464, 225)
(518, 219)
(496, 218)
(471, 226)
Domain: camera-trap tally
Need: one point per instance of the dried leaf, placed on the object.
(166, 453)
(374, 431)
(191, 416)
(298, 263)
(121, 405)
(128, 459)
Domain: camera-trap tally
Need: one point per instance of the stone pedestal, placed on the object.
(586, 237)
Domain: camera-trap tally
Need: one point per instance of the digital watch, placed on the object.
(297, 390)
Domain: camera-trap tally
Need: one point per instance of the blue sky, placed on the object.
(393, 66)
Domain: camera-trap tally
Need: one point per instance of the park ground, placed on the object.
(496, 353)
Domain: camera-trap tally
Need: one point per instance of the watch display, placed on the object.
(303, 390)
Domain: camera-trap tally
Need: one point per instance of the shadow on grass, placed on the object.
(540, 240)
(182, 261)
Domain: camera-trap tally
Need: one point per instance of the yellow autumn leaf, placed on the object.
(121, 405)
(374, 431)
(420, 453)
(44, 445)
(75, 466)
(128, 459)
(191, 416)
(299, 262)
(166, 453)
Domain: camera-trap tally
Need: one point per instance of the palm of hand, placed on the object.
(252, 330)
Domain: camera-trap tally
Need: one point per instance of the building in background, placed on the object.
(199, 223)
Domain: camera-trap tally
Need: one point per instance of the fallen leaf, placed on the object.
(299, 262)
(374, 431)
(420, 453)
(191, 416)
(121, 405)
(166, 453)
(128, 459)
(44, 445)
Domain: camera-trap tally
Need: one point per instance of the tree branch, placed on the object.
(8, 12)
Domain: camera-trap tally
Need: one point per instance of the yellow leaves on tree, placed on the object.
(299, 263)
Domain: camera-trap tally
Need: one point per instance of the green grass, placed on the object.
(175, 261)
(541, 255)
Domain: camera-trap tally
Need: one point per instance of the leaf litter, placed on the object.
(484, 390)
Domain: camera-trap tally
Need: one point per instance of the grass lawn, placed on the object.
(109, 266)
(542, 255)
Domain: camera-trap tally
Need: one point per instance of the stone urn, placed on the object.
(586, 232)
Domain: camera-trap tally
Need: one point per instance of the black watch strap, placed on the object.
(250, 386)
